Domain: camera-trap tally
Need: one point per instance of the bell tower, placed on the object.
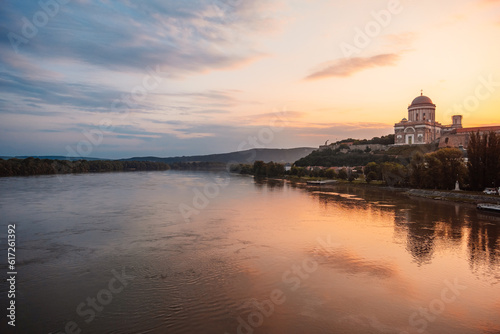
(457, 121)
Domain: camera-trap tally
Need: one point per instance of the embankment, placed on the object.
(457, 196)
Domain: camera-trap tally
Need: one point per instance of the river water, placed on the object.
(200, 252)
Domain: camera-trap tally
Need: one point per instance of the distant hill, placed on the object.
(249, 156)
(52, 157)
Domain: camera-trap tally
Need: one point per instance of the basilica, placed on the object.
(421, 127)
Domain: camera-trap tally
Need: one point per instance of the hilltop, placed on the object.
(356, 152)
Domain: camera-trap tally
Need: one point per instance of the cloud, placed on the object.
(92, 53)
(350, 66)
(183, 37)
(211, 98)
(174, 137)
(37, 92)
(284, 116)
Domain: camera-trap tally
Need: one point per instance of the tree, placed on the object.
(438, 170)
(492, 160)
(259, 168)
(330, 173)
(375, 168)
(433, 172)
(352, 176)
(394, 174)
(275, 169)
(418, 171)
(271, 169)
(452, 167)
(370, 177)
(476, 157)
(342, 174)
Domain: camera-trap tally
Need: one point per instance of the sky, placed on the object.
(117, 79)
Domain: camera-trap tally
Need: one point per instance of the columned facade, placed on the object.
(421, 127)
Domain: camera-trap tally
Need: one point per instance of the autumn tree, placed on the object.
(484, 160)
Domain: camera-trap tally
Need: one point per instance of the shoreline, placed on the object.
(454, 196)
(437, 195)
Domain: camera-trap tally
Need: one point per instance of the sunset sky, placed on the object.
(116, 79)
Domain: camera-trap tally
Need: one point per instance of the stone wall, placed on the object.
(373, 147)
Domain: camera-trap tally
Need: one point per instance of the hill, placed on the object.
(345, 156)
(247, 157)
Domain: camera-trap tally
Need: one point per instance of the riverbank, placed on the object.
(443, 195)
(455, 196)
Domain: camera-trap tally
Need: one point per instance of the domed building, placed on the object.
(421, 127)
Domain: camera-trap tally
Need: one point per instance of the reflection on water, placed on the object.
(259, 257)
(426, 224)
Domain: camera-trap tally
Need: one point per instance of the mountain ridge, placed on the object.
(281, 155)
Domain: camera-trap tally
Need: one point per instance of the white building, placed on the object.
(421, 127)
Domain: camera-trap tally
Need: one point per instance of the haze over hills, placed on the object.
(249, 156)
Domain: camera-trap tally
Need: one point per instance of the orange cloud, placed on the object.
(350, 66)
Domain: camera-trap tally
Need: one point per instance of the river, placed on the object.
(201, 252)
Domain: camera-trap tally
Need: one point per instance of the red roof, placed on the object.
(480, 129)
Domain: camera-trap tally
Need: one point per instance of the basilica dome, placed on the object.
(421, 100)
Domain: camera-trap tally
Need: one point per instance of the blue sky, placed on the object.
(119, 78)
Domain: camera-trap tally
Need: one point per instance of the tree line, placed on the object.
(384, 140)
(436, 170)
(443, 168)
(274, 169)
(36, 166)
(484, 160)
(260, 169)
(332, 158)
(439, 169)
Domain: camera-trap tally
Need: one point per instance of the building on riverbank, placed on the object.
(421, 126)
(460, 137)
